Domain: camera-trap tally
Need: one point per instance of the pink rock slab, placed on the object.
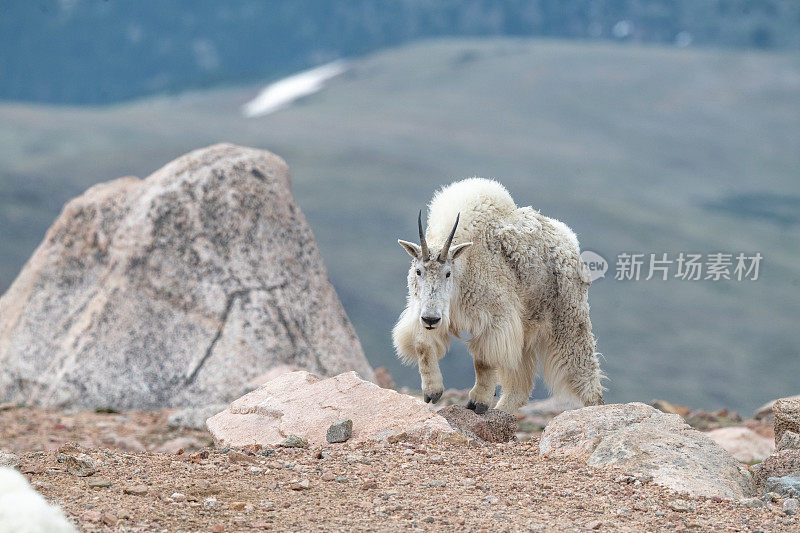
(303, 404)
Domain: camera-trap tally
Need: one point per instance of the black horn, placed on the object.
(423, 244)
(446, 248)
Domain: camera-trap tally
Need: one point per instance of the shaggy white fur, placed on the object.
(513, 279)
(23, 510)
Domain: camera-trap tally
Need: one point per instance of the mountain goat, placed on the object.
(514, 280)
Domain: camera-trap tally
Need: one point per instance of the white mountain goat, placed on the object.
(513, 279)
(23, 510)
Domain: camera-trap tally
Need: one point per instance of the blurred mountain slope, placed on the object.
(643, 149)
(94, 51)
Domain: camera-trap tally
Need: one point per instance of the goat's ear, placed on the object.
(413, 249)
(456, 250)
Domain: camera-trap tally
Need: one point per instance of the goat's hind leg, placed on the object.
(516, 384)
(571, 366)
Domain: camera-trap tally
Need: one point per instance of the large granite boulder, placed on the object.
(302, 404)
(173, 290)
(641, 439)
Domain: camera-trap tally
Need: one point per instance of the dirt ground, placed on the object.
(375, 487)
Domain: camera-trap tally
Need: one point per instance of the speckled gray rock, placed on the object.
(173, 291)
(340, 431)
(790, 506)
(786, 486)
(789, 441)
(8, 459)
(787, 417)
(779, 464)
(639, 438)
(80, 465)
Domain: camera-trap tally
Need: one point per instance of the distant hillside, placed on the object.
(639, 149)
(95, 51)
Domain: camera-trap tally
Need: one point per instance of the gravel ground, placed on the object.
(343, 487)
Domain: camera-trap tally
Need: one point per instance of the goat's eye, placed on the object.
(419, 273)
(447, 275)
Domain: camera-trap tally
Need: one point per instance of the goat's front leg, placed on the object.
(485, 382)
(432, 385)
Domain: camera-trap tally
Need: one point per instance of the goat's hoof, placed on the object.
(478, 407)
(433, 398)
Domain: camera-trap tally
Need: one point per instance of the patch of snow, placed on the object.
(283, 92)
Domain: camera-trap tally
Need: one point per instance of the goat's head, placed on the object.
(430, 279)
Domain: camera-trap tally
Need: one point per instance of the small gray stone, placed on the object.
(294, 441)
(680, 506)
(790, 506)
(340, 431)
(786, 486)
(752, 502)
(211, 503)
(80, 465)
(100, 483)
(8, 459)
(789, 441)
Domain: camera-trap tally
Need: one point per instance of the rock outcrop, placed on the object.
(787, 417)
(743, 443)
(173, 290)
(302, 404)
(643, 440)
(779, 464)
(765, 411)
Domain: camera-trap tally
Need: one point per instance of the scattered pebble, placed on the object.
(178, 497)
(99, 482)
(80, 465)
(211, 503)
(302, 484)
(328, 476)
(752, 502)
(340, 431)
(91, 516)
(679, 506)
(235, 456)
(136, 490)
(294, 441)
(436, 459)
(8, 459)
